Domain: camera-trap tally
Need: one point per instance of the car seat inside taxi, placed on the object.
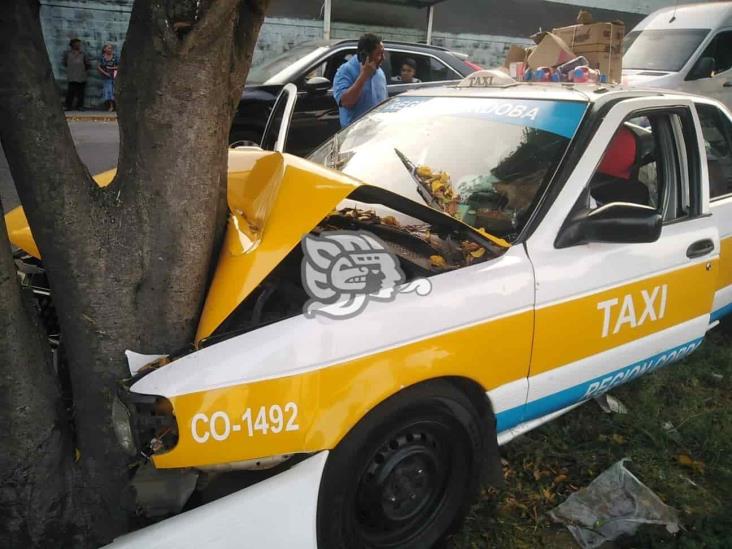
(616, 179)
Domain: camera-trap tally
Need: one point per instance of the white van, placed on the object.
(686, 48)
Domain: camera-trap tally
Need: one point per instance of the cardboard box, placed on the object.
(550, 52)
(516, 54)
(517, 70)
(596, 34)
(600, 43)
(609, 63)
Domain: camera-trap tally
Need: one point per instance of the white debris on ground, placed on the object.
(610, 404)
(614, 504)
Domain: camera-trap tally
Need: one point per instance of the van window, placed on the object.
(717, 132)
(720, 50)
(662, 49)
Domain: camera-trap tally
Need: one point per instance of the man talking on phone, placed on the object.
(359, 83)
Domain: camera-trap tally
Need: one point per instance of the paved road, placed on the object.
(96, 142)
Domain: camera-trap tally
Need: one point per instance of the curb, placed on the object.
(95, 117)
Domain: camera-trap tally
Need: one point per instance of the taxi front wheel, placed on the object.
(406, 475)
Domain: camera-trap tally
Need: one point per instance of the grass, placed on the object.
(690, 469)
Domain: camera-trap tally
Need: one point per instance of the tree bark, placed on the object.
(128, 264)
(36, 456)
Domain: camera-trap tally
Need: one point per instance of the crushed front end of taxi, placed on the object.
(249, 395)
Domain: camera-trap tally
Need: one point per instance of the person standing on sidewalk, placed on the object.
(107, 67)
(359, 83)
(76, 63)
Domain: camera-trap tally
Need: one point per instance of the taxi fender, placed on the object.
(252, 517)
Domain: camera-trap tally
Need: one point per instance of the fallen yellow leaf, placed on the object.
(478, 253)
(424, 171)
(390, 220)
(618, 439)
(438, 261)
(687, 461)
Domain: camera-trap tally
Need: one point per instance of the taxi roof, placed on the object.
(585, 93)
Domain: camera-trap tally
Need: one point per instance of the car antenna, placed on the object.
(673, 15)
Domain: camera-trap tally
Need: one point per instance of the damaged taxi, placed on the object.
(457, 267)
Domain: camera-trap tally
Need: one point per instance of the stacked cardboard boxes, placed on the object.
(600, 43)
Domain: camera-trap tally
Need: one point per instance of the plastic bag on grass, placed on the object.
(614, 504)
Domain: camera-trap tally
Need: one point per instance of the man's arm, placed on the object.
(350, 97)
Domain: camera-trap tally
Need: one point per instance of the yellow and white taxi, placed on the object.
(454, 269)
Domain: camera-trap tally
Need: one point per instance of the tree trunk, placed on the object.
(36, 456)
(128, 264)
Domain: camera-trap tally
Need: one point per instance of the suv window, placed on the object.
(717, 132)
(429, 69)
(329, 66)
(440, 71)
(642, 166)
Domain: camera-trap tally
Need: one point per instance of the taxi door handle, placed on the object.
(700, 248)
(727, 84)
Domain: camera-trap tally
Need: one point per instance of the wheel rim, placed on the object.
(404, 483)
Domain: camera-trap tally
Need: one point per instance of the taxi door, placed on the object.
(716, 126)
(625, 273)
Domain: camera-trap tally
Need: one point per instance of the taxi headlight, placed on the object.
(155, 428)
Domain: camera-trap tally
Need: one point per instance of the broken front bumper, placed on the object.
(278, 512)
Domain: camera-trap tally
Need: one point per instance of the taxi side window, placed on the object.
(717, 132)
(643, 165)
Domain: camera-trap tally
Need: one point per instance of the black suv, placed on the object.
(311, 66)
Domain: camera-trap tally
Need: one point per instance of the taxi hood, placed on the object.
(274, 200)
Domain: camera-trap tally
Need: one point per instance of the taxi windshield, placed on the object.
(483, 161)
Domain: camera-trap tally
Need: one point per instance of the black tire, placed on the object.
(406, 475)
(244, 137)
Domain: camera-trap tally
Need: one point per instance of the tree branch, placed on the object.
(210, 26)
(161, 24)
(249, 21)
(47, 171)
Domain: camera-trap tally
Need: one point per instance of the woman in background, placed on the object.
(107, 67)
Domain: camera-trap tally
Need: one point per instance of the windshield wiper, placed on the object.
(424, 191)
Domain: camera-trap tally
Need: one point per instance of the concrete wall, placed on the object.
(95, 23)
(481, 28)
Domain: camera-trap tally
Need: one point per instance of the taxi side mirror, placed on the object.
(620, 222)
